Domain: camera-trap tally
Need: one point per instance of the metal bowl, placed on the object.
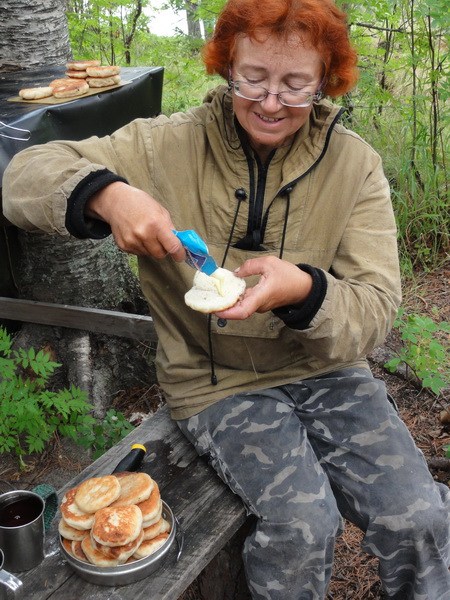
(128, 573)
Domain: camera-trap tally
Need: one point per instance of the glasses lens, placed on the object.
(249, 91)
(299, 99)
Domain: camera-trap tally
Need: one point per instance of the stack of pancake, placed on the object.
(81, 76)
(94, 73)
(113, 520)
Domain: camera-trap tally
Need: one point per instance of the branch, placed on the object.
(378, 28)
(136, 16)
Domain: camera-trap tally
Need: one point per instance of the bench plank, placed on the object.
(110, 322)
(209, 512)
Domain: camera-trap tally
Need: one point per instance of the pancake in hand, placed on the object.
(214, 293)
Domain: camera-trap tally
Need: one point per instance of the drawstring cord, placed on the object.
(211, 355)
(287, 194)
(240, 195)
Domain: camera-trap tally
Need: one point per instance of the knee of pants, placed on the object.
(320, 518)
(421, 522)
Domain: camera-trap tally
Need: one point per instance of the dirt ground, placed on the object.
(355, 574)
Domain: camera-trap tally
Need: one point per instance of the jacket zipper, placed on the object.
(253, 237)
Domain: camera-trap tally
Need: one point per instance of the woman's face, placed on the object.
(277, 66)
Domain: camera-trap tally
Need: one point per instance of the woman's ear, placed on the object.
(230, 79)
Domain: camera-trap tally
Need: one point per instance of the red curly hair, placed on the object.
(321, 20)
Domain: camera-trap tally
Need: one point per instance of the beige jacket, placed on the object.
(340, 220)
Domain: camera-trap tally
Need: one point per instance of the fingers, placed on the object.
(280, 283)
(244, 308)
(139, 224)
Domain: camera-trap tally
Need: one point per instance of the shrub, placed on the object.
(31, 414)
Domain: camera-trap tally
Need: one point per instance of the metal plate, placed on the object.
(128, 573)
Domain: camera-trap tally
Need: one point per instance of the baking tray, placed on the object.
(131, 572)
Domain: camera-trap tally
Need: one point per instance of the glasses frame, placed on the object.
(312, 97)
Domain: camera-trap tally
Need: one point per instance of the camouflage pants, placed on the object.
(304, 455)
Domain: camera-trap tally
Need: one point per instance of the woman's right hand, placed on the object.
(139, 224)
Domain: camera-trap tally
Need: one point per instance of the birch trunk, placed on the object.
(33, 33)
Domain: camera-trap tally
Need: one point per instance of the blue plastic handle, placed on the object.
(197, 251)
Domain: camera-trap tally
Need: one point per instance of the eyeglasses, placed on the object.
(257, 93)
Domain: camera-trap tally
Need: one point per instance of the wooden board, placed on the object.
(53, 100)
(138, 327)
(209, 512)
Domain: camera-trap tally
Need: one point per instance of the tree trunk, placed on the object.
(88, 273)
(192, 23)
(33, 33)
(66, 270)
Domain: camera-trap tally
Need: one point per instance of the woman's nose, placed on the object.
(271, 101)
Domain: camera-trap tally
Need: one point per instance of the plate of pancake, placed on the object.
(115, 529)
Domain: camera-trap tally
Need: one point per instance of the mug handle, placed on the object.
(10, 583)
(50, 497)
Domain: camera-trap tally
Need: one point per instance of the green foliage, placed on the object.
(106, 433)
(31, 415)
(105, 29)
(423, 351)
(185, 80)
(399, 107)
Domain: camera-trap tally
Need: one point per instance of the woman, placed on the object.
(275, 390)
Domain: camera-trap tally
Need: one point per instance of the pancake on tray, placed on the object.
(70, 533)
(77, 550)
(150, 546)
(117, 525)
(119, 553)
(151, 507)
(97, 492)
(134, 488)
(72, 514)
(36, 93)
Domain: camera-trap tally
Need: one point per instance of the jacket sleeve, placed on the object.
(363, 288)
(40, 182)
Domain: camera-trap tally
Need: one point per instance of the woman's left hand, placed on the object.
(281, 283)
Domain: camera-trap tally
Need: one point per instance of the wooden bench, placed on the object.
(210, 515)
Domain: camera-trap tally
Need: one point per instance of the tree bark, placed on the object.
(33, 33)
(192, 23)
(88, 273)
